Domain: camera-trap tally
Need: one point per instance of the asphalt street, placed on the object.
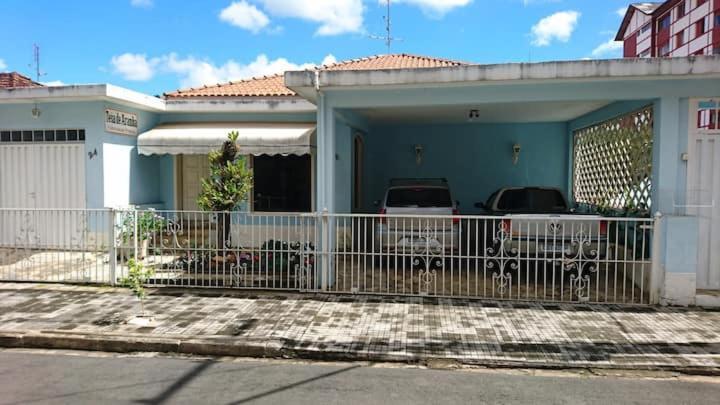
(46, 377)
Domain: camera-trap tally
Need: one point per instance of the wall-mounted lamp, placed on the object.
(516, 153)
(92, 154)
(473, 115)
(36, 111)
(418, 154)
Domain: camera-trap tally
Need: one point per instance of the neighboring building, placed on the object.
(15, 79)
(671, 29)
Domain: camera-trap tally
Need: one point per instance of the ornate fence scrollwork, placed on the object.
(581, 258)
(502, 258)
(427, 257)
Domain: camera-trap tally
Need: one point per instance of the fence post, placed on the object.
(325, 250)
(135, 234)
(112, 252)
(657, 273)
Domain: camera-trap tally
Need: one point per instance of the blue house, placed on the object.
(330, 139)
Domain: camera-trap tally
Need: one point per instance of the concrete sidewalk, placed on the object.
(331, 327)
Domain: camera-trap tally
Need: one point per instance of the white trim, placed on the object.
(130, 98)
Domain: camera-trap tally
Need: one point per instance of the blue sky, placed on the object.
(159, 45)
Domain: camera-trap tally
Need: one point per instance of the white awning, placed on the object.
(198, 138)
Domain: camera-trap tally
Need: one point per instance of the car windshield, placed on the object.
(419, 197)
(532, 200)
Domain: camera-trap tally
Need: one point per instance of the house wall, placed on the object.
(476, 159)
(128, 177)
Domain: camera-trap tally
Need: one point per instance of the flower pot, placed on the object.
(128, 252)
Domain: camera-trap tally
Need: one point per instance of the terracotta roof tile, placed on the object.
(274, 86)
(15, 79)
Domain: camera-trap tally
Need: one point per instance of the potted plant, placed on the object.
(229, 184)
(148, 224)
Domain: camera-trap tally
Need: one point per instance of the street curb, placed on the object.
(224, 347)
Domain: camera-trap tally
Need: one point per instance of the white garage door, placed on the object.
(704, 187)
(40, 175)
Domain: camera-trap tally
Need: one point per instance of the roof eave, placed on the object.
(592, 70)
(82, 92)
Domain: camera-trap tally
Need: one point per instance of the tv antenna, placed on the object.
(388, 38)
(36, 63)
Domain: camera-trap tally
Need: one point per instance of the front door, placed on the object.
(194, 169)
(703, 184)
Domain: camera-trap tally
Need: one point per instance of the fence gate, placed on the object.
(703, 187)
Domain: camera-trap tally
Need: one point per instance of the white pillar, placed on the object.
(325, 191)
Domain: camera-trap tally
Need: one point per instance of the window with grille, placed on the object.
(612, 166)
(42, 135)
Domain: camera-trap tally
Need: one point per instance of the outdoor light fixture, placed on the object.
(473, 115)
(516, 153)
(418, 154)
(36, 111)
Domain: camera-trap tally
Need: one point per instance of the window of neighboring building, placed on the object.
(717, 19)
(680, 39)
(645, 54)
(699, 27)
(645, 28)
(664, 22)
(282, 183)
(716, 51)
(681, 10)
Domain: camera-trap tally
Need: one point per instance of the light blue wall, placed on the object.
(90, 116)
(475, 158)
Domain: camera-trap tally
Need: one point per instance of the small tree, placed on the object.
(229, 184)
(135, 281)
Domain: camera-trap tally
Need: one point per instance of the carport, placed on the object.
(463, 122)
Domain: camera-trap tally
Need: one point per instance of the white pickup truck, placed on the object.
(537, 222)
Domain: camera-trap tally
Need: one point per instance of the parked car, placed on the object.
(539, 222)
(425, 205)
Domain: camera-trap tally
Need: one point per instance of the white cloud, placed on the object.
(608, 49)
(193, 72)
(621, 11)
(54, 83)
(558, 26)
(135, 67)
(196, 72)
(244, 15)
(141, 3)
(3, 65)
(434, 8)
(334, 16)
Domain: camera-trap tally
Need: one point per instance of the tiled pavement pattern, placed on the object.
(482, 332)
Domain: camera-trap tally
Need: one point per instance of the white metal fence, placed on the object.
(522, 257)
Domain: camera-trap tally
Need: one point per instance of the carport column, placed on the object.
(325, 189)
(678, 233)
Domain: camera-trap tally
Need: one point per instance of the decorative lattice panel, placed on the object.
(613, 163)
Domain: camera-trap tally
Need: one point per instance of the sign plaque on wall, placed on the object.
(120, 122)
